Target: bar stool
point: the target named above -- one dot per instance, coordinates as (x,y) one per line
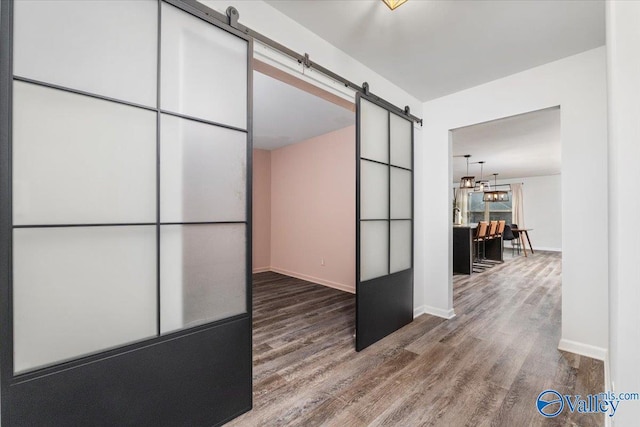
(493,230)
(480,237)
(496,230)
(492,234)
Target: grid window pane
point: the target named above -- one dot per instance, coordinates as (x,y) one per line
(374,190)
(374,249)
(400,246)
(80,160)
(401,142)
(400,194)
(81,290)
(374,132)
(204,172)
(204,70)
(82,45)
(202,274)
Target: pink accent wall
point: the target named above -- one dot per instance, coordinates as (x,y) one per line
(312,210)
(261,210)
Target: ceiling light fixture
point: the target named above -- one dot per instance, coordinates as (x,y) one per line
(392,4)
(467,181)
(482,184)
(495,195)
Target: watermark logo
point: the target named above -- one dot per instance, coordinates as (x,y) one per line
(550,403)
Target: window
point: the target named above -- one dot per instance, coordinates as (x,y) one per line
(481,211)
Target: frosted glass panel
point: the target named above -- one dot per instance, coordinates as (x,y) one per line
(400,245)
(203,172)
(374,249)
(400,194)
(204,70)
(202,273)
(80,290)
(374,190)
(374,132)
(79,160)
(400,141)
(103,47)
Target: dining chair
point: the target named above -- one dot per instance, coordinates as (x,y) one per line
(515,243)
(508,235)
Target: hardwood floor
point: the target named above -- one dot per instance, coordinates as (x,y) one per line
(485,367)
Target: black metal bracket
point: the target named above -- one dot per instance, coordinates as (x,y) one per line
(407,111)
(305,61)
(232,16)
(365,88)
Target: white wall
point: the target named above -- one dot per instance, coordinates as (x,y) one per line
(267,20)
(623,61)
(578,85)
(542,210)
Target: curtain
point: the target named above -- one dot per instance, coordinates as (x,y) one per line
(517,205)
(462,202)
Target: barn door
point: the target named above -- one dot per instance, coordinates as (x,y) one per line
(384,245)
(125,215)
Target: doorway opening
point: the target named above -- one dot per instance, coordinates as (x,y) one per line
(304,238)
(525,151)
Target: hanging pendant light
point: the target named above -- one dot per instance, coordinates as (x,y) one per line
(495,195)
(392,4)
(482,184)
(467,181)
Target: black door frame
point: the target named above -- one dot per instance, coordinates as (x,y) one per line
(383,304)
(196,376)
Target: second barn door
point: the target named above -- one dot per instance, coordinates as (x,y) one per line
(384,229)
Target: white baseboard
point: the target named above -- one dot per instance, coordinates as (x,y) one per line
(434,311)
(418,311)
(582,349)
(261,269)
(324,282)
(547,249)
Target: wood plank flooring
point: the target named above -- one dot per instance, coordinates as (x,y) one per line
(485,367)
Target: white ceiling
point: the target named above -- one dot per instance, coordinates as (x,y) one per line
(434,48)
(283,114)
(515,147)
